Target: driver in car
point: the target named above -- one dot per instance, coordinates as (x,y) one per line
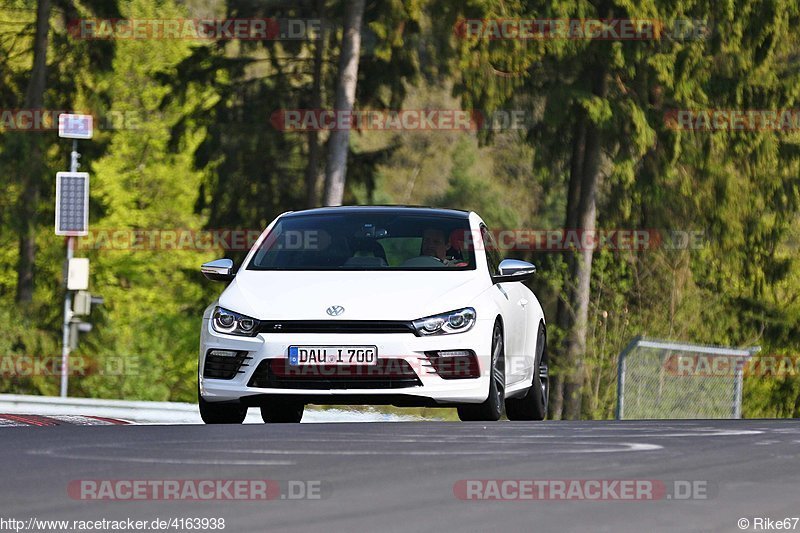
(435,244)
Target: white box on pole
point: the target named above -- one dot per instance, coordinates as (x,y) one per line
(78,274)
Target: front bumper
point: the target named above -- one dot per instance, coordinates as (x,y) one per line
(404,349)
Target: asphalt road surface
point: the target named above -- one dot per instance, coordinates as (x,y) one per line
(689,475)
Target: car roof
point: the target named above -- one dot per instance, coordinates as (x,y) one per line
(398,209)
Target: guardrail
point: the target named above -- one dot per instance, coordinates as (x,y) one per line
(163,412)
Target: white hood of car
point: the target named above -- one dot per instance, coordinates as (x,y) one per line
(398,295)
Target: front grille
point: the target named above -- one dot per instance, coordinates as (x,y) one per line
(225,367)
(386,374)
(335,326)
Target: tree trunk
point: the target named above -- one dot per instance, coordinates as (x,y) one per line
(32,167)
(564,313)
(312,169)
(582,267)
(339,141)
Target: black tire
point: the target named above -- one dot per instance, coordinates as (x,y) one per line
(492,409)
(533,406)
(282,412)
(221,412)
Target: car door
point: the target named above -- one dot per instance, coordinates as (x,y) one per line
(511,299)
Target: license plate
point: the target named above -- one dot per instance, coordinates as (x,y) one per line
(333,355)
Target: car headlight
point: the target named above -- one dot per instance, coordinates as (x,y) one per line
(225,321)
(457,321)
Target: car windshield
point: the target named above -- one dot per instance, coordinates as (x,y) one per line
(366,241)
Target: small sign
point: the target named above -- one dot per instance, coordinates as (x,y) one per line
(75,126)
(72,203)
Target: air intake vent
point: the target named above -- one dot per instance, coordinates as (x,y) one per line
(224,364)
(387,374)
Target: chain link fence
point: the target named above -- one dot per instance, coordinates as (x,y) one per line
(662,379)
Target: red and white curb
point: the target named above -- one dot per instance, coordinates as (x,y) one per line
(9,420)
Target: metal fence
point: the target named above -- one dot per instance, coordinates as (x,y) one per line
(663,379)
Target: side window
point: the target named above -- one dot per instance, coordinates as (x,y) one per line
(492,255)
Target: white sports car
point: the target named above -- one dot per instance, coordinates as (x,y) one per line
(407,306)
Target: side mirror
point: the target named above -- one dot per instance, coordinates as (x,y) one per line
(218,270)
(514,270)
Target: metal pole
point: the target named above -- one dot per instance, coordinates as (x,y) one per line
(74,156)
(621,387)
(65,340)
(65,332)
(621,369)
(737,394)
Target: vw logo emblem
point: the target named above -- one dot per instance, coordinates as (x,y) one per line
(335,310)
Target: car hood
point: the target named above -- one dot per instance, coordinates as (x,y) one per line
(399,295)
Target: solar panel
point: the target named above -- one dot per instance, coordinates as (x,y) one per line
(72,203)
